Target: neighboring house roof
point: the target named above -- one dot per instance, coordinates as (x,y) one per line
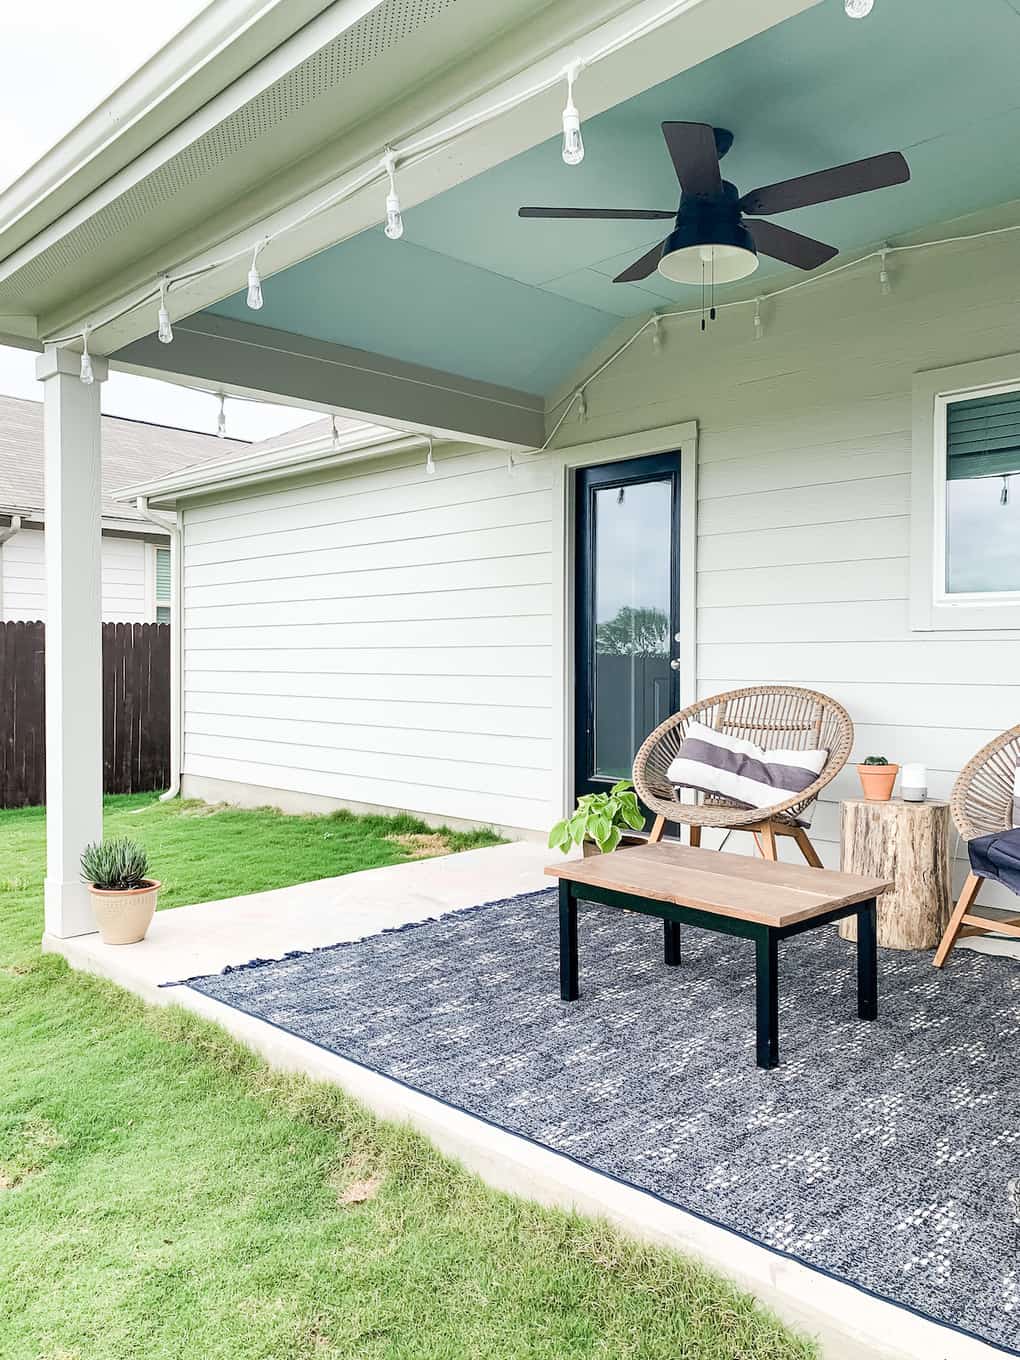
(133,451)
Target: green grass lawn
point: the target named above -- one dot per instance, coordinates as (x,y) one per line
(163,1194)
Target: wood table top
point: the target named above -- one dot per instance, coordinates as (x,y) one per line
(728,885)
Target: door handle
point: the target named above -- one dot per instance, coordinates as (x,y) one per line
(675,664)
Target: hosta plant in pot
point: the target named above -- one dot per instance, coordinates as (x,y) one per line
(123,895)
(877,778)
(600,822)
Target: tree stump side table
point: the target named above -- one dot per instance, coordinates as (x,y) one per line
(909,843)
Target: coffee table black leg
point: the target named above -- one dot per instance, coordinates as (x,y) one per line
(767,997)
(671,943)
(568,943)
(867,961)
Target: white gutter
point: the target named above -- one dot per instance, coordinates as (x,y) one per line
(172,524)
(308,456)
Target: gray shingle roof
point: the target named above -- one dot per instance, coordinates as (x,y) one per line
(133,452)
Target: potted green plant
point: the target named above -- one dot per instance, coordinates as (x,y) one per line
(877,778)
(598,822)
(123,895)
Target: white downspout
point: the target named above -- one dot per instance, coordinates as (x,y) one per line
(173,524)
(5,535)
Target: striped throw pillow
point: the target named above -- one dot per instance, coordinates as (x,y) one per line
(741,770)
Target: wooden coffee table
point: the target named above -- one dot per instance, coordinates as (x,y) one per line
(733,894)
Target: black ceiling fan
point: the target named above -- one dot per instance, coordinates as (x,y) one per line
(711,240)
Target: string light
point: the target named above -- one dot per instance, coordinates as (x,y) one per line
(656,332)
(858,9)
(394,227)
(166,331)
(85,373)
(510,464)
(884,281)
(573,143)
(335,432)
(221,419)
(254,298)
(1004,493)
(430,465)
(759,325)
(582,406)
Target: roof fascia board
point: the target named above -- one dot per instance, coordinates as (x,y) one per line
(278,366)
(510,65)
(341,15)
(310,456)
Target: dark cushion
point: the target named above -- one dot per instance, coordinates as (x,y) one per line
(997,856)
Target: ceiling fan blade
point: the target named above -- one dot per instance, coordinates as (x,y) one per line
(640,269)
(601,214)
(695,158)
(857,177)
(790,246)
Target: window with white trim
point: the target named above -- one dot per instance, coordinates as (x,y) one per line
(162,585)
(965,497)
(978,438)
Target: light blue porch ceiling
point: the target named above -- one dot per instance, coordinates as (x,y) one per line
(474,290)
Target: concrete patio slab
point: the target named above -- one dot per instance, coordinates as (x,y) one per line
(850,1324)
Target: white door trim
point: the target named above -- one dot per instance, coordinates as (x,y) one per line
(683,438)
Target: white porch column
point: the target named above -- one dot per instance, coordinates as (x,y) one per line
(74,656)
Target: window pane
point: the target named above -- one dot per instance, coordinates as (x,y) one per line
(162,573)
(982,535)
(633,547)
(163,613)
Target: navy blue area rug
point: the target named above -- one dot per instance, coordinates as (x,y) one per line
(879,1153)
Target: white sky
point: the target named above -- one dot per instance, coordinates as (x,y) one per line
(58,60)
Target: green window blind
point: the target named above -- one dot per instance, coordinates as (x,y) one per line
(983,437)
(163,575)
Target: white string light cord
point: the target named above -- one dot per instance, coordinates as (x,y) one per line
(407,155)
(579,398)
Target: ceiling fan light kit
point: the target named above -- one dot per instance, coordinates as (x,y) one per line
(708,242)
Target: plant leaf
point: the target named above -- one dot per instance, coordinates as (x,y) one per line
(611,841)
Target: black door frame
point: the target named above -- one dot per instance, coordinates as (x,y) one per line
(587,480)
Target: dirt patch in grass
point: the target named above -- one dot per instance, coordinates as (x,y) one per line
(421,845)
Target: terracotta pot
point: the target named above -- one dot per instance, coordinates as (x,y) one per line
(589,848)
(877,781)
(124,916)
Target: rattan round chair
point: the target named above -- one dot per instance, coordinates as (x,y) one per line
(982,805)
(771,715)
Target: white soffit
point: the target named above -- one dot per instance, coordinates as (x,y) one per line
(390,69)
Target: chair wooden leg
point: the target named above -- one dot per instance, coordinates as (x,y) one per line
(768,841)
(806,848)
(658,827)
(970,890)
(695,834)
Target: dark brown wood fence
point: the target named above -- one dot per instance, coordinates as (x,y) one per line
(136,710)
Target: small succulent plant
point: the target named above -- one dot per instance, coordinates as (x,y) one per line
(875,760)
(599,817)
(115,865)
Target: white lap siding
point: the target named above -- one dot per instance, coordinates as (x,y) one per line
(23,567)
(804,500)
(378,636)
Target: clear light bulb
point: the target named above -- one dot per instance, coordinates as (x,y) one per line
(573,143)
(656,333)
(430,465)
(394,228)
(254,298)
(858,9)
(166,331)
(85,373)
(884,281)
(221,420)
(582,407)
(759,325)
(336,433)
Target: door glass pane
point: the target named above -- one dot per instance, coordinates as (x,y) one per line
(631,585)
